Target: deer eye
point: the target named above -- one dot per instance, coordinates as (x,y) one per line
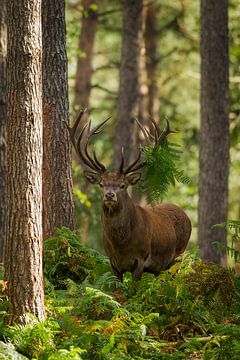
(122,186)
(101,185)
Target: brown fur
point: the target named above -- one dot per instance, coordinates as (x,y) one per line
(138,239)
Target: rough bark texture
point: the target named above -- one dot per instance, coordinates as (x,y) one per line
(3,54)
(214,140)
(84,64)
(127,105)
(151,39)
(23,256)
(84,75)
(58,207)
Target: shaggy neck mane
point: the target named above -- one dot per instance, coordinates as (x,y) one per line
(119,220)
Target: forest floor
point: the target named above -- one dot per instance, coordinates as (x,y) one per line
(191,311)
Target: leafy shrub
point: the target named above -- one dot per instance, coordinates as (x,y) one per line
(191,310)
(8,352)
(35,340)
(66,258)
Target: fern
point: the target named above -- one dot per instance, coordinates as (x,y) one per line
(161,170)
(233,227)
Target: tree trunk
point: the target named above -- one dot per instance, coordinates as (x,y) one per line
(3,54)
(143,76)
(151,39)
(58,207)
(127,105)
(214,138)
(84,64)
(23,255)
(84,75)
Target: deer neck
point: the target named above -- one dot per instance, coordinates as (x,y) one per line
(118,221)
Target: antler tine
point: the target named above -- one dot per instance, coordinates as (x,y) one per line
(72,130)
(164,134)
(96,164)
(82,154)
(157,131)
(97,129)
(158,138)
(148,136)
(101,166)
(135,165)
(121,167)
(83,140)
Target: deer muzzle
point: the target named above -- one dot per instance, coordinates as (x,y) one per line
(110,198)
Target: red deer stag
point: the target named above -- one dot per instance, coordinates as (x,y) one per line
(135,238)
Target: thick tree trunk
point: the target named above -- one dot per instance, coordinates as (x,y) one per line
(214,140)
(127,105)
(84,64)
(23,256)
(58,207)
(3,54)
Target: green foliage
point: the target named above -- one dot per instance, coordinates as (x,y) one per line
(35,340)
(161,170)
(193,308)
(74,353)
(66,258)
(233,228)
(8,352)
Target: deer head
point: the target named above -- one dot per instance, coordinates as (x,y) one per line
(114,184)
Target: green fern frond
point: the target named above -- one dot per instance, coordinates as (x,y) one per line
(161,170)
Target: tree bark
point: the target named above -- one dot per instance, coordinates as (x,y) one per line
(84,76)
(127,104)
(214,137)
(3,54)
(86,43)
(143,76)
(23,255)
(152,57)
(58,207)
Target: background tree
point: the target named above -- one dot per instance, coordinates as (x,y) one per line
(129,80)
(214,136)
(84,62)
(58,207)
(23,253)
(143,100)
(3,53)
(152,58)
(83,76)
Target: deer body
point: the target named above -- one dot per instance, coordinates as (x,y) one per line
(138,239)
(135,238)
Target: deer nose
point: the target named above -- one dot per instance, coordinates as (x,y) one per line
(109,195)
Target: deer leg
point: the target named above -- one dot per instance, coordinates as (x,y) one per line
(117,273)
(137,269)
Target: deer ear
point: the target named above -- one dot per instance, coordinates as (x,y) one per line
(92,177)
(133,178)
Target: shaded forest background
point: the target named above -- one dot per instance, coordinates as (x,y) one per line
(171,77)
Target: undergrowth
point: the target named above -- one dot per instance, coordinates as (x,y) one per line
(191,311)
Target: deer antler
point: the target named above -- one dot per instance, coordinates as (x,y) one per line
(157,139)
(81,143)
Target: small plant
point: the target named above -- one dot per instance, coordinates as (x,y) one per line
(34,339)
(233,228)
